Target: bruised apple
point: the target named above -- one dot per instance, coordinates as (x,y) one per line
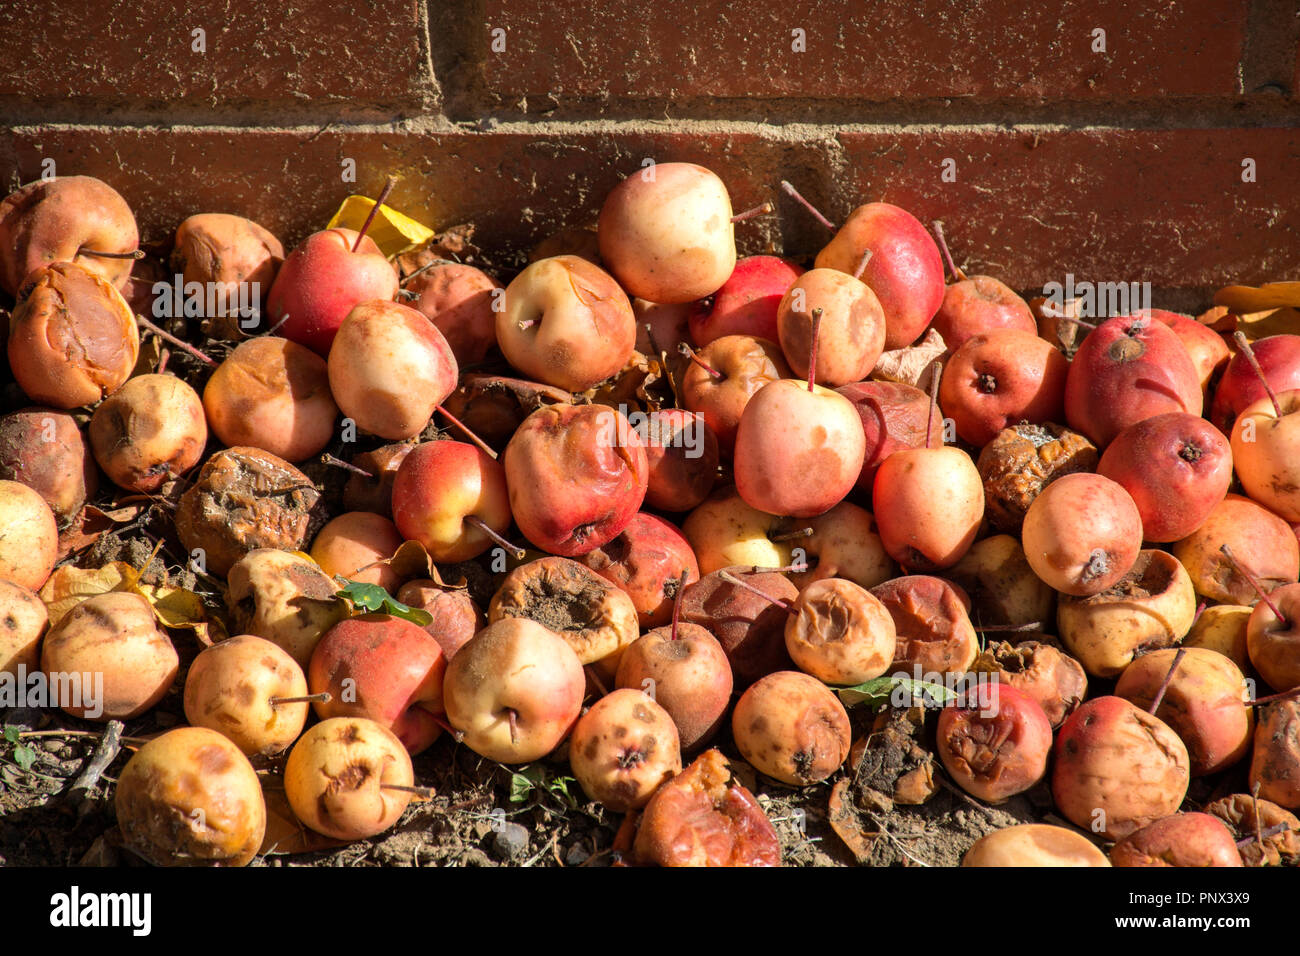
(666,233)
(1117,768)
(729,372)
(928,504)
(1127,369)
(191,798)
(792,727)
(1183,839)
(623,748)
(799,449)
(348,778)
(566,323)
(1082,534)
(1202,703)
(894,415)
(840,633)
(997,746)
(234,686)
(576,474)
(686,671)
(389,368)
(703,817)
(514,690)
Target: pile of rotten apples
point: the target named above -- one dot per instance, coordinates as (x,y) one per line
(688,445)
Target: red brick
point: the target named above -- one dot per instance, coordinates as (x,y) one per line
(138,54)
(565,50)
(1167,207)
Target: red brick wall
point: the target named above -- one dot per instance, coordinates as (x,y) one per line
(1116,165)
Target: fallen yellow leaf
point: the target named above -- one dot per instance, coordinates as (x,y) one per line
(393,232)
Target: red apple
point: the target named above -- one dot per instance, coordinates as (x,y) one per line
(322,280)
(439,486)
(798,452)
(978,305)
(382,668)
(1127,369)
(1000,378)
(905,270)
(1175,466)
(747,302)
(1279,358)
(576,474)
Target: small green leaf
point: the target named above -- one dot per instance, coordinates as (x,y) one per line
(374,598)
(523,782)
(560,785)
(879,691)
(24,757)
(13,734)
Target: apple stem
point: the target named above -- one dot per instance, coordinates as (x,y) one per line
(762,209)
(456,735)
(677,604)
(483,446)
(1243,346)
(133,254)
(425,268)
(1254,805)
(728,576)
(426,793)
(1052,313)
(168,337)
(595,679)
(862,264)
(374,211)
(329,459)
(957,274)
(324,697)
(1254,583)
(1200,609)
(816,213)
(527,324)
(1164,685)
(1271,698)
(791,535)
(275,328)
(812,349)
(514,724)
(162,361)
(935,369)
(483,526)
(1259,836)
(694,356)
(1031,626)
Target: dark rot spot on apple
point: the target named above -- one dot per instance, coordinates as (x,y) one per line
(352,777)
(10,622)
(1190,452)
(803,763)
(1071,747)
(986,383)
(1126,349)
(348,734)
(246,694)
(592,749)
(641,713)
